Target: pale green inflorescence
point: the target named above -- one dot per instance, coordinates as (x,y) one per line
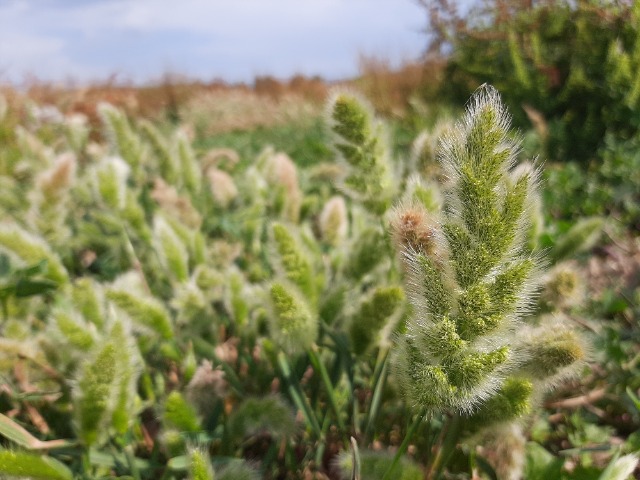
(199,466)
(293,262)
(95,394)
(472,284)
(123,138)
(361,144)
(294,326)
(31,249)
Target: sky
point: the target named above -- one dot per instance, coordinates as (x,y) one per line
(232,40)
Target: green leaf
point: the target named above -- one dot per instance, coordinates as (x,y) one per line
(35,467)
(17,434)
(101,459)
(634,398)
(35,269)
(541,465)
(178,464)
(5,264)
(26,287)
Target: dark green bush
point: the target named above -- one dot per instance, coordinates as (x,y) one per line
(570,68)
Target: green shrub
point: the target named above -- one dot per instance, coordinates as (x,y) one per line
(573,67)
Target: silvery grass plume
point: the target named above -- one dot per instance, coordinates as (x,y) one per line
(470,277)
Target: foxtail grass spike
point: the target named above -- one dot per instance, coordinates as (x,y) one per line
(360,141)
(146,311)
(171,249)
(31,250)
(124,140)
(372,315)
(293,326)
(469,278)
(95,394)
(333,221)
(179,414)
(200,466)
(129,367)
(293,263)
(190,172)
(166,164)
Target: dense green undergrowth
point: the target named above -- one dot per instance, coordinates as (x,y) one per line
(170,312)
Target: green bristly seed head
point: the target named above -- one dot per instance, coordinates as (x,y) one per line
(179,414)
(473,281)
(199,466)
(294,327)
(550,352)
(293,262)
(512,401)
(96,392)
(372,315)
(360,142)
(352,120)
(148,312)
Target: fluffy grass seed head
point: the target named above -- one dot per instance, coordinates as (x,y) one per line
(206,387)
(268,415)
(562,287)
(365,252)
(414,229)
(189,168)
(4,107)
(334,221)
(164,159)
(87,296)
(74,330)
(551,352)
(620,468)
(77,131)
(361,144)
(282,173)
(175,205)
(31,249)
(293,325)
(580,237)
(171,250)
(124,141)
(95,393)
(472,281)
(180,414)
(55,182)
(223,188)
(144,310)
(129,365)
(371,316)
(200,467)
(110,181)
(292,262)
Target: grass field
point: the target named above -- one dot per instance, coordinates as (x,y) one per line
(204,278)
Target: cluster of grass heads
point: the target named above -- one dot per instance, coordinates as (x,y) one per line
(167,314)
